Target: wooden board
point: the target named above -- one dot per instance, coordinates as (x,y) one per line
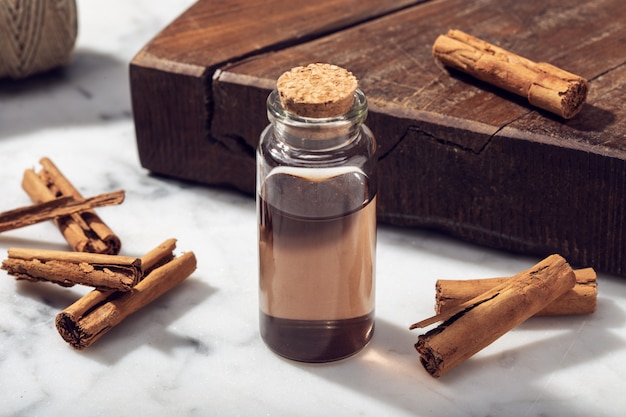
(171,77)
(455,154)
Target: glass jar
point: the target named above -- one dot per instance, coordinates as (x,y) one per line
(316,201)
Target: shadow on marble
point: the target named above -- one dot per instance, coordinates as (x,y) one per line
(55,297)
(151,325)
(148,326)
(93,89)
(607,315)
(542,353)
(500,381)
(592,331)
(8,241)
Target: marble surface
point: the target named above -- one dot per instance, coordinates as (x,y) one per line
(197,350)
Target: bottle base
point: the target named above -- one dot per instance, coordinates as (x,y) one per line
(316,341)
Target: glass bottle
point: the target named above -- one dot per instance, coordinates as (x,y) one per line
(316,200)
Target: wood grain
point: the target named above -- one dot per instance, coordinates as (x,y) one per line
(456,154)
(171,77)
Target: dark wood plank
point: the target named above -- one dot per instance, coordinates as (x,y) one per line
(392,58)
(457,155)
(214,32)
(171,77)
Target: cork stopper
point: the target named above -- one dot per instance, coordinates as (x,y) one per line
(317,90)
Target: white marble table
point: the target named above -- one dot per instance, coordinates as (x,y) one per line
(197,350)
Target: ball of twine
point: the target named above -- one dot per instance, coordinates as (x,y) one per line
(35,35)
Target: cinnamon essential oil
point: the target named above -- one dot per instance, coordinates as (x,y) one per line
(317,217)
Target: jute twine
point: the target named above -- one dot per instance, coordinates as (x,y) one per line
(35,35)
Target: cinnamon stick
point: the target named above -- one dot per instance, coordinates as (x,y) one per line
(544,85)
(581,299)
(85,231)
(96,313)
(49,210)
(70,268)
(158,256)
(473,325)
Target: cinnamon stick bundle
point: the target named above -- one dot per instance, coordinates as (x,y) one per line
(544,85)
(70,268)
(85,231)
(49,210)
(581,299)
(96,313)
(475,324)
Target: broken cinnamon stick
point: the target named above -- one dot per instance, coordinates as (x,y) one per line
(85,231)
(49,210)
(71,268)
(581,299)
(475,324)
(544,85)
(158,256)
(96,313)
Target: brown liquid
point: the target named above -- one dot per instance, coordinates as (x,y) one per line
(317,263)
(316,340)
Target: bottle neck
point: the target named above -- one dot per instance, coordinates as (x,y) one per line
(316,134)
